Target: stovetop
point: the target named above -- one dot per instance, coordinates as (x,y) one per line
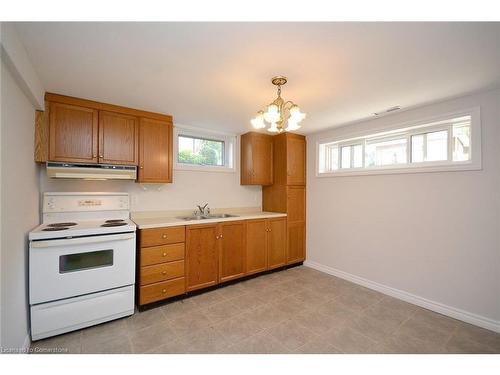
(81,228)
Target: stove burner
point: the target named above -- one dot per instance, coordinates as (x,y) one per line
(58,225)
(113,224)
(114,221)
(53,229)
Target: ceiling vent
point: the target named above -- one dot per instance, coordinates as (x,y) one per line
(388,110)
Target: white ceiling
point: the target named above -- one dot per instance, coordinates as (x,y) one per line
(217,75)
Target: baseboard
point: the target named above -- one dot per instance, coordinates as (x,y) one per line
(440,308)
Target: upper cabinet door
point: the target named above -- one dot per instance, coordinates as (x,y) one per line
(256,159)
(263,160)
(155,151)
(118,139)
(296,160)
(72,133)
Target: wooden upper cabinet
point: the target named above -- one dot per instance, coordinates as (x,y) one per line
(77,130)
(296,159)
(201,256)
(289,159)
(276,242)
(256,257)
(118,138)
(256,159)
(232,263)
(155,151)
(73,133)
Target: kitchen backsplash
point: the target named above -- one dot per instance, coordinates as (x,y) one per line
(218,189)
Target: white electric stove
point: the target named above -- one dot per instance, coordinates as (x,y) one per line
(81,262)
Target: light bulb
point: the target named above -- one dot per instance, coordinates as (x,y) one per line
(272,114)
(292,125)
(258,121)
(273,128)
(296,115)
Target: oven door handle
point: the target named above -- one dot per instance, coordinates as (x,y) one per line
(82,240)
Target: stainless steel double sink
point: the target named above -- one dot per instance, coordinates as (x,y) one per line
(206,217)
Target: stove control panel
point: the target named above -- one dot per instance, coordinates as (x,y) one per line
(84,202)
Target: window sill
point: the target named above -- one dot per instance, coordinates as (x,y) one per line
(406,170)
(200,168)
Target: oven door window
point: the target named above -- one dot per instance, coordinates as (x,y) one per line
(85,261)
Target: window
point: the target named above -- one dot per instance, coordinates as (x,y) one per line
(202,150)
(385,151)
(432,146)
(351,156)
(444,143)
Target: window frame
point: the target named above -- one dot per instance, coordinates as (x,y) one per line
(426,125)
(230,145)
(351,144)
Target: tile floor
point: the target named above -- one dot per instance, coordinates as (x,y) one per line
(298,310)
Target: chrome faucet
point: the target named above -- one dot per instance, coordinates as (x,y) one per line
(202,209)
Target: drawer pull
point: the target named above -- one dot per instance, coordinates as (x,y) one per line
(164,254)
(164,291)
(164,236)
(164,273)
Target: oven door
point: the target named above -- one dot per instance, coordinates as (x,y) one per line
(72,267)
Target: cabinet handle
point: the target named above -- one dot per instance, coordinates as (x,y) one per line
(141,167)
(164,273)
(216,237)
(94,156)
(101,156)
(221,236)
(164,236)
(164,254)
(164,291)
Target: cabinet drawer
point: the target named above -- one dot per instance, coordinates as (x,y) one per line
(162,236)
(161,254)
(162,272)
(159,291)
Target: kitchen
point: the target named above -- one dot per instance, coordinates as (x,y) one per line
(157,221)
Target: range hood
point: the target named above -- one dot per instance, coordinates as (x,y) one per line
(91,171)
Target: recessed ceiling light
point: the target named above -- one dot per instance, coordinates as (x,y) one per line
(388,110)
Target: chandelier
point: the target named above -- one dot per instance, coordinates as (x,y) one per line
(279,113)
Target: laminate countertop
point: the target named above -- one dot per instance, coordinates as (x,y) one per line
(143,220)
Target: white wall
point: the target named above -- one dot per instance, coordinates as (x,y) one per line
(16,59)
(19,207)
(432,235)
(220,190)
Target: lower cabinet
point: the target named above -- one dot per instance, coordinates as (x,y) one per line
(266,244)
(256,246)
(160,291)
(176,260)
(232,250)
(161,264)
(296,238)
(276,243)
(202,261)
